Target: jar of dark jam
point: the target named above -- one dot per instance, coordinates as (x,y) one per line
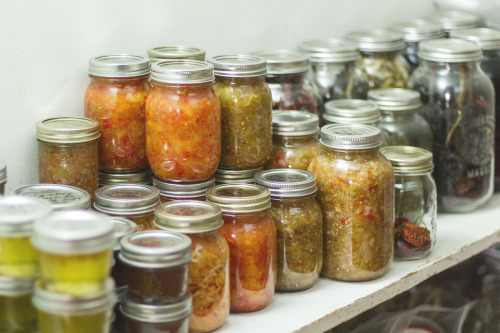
(17,312)
(3,178)
(170,191)
(240,176)
(122,227)
(141,178)
(61,197)
(453,20)
(162,53)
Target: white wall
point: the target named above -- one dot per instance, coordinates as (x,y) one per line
(45,46)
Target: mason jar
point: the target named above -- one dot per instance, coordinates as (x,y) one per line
(234,177)
(141,178)
(18,314)
(171,191)
(121,227)
(209,267)
(299,226)
(453,20)
(183,121)
(356,194)
(61,197)
(162,53)
(3,178)
(415,201)
(246,105)
(458,103)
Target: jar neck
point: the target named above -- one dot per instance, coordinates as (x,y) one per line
(352,154)
(333,65)
(379,54)
(450,66)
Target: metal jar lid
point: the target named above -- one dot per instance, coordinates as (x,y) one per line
(282,62)
(487,39)
(3,172)
(18,214)
(454,20)
(350,136)
(10,286)
(238,65)
(449,50)
(157,313)
(418,30)
(188,217)
(73,232)
(176,53)
(330,50)
(143,178)
(287,183)
(67,130)
(351,111)
(61,197)
(126,199)
(155,249)
(378,40)
(294,123)
(182,72)
(407,159)
(240,198)
(121,228)
(494,24)
(241,176)
(183,190)
(395,99)
(118,66)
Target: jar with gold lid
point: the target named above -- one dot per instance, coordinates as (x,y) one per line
(61,197)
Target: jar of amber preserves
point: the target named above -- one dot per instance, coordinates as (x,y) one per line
(131,201)
(299,226)
(141,178)
(246,106)
(61,197)
(209,267)
(163,53)
(122,227)
(170,191)
(241,176)
(67,152)
(250,232)
(18,314)
(3,178)
(183,121)
(356,194)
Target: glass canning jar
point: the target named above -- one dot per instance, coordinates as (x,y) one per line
(3,178)
(453,20)
(61,197)
(356,193)
(163,53)
(209,267)
(67,152)
(299,226)
(243,176)
(246,105)
(170,191)
(121,227)
(17,314)
(250,232)
(116,98)
(400,117)
(142,178)
(183,121)
(415,200)
(295,140)
(458,103)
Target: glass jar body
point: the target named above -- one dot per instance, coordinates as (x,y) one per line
(294,152)
(406,129)
(18,257)
(384,69)
(98,322)
(17,314)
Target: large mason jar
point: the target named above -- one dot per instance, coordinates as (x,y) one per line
(458,103)
(453,20)
(178,52)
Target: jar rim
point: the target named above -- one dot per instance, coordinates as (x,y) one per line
(377,40)
(350,136)
(118,66)
(282,61)
(67,130)
(294,123)
(188,216)
(408,159)
(238,65)
(450,50)
(287,183)
(126,199)
(330,50)
(240,198)
(182,71)
(486,38)
(157,313)
(116,178)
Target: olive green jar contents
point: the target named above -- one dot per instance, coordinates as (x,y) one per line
(299,226)
(61,197)
(171,191)
(163,53)
(141,178)
(17,314)
(121,227)
(241,176)
(3,178)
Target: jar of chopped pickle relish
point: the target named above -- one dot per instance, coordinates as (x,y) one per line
(453,20)
(250,232)
(163,53)
(3,178)
(61,197)
(356,194)
(183,121)
(18,313)
(209,267)
(295,140)
(240,176)
(299,226)
(121,227)
(171,191)
(141,178)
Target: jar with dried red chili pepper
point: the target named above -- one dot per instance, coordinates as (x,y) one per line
(171,191)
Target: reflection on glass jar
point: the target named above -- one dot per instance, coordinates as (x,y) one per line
(170,191)
(17,314)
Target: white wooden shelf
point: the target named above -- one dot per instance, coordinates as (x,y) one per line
(330,303)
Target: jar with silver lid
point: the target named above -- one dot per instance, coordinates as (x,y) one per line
(415,200)
(3,177)
(400,117)
(453,20)
(121,227)
(18,313)
(295,140)
(131,201)
(241,176)
(171,191)
(356,194)
(178,52)
(458,103)
(381,60)
(299,226)
(209,267)
(250,232)
(141,178)
(334,70)
(61,197)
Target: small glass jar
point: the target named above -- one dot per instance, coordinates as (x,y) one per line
(162,53)
(453,20)
(170,191)
(209,267)
(381,60)
(76,251)
(400,118)
(61,197)
(250,232)
(18,257)
(122,227)
(299,226)
(17,314)
(156,266)
(356,194)
(235,177)
(295,140)
(61,313)
(67,152)
(415,201)
(131,201)
(458,103)
(3,178)
(246,105)
(141,178)
(183,121)
(116,98)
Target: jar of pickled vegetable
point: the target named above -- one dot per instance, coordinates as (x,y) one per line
(209,267)
(17,313)
(132,201)
(251,235)
(295,140)
(170,191)
(241,176)
(400,117)
(76,249)
(18,258)
(163,53)
(356,194)
(122,227)
(381,61)
(183,121)
(299,226)
(458,102)
(246,106)
(453,20)
(142,178)
(156,266)
(61,197)
(67,152)
(415,201)
(3,178)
